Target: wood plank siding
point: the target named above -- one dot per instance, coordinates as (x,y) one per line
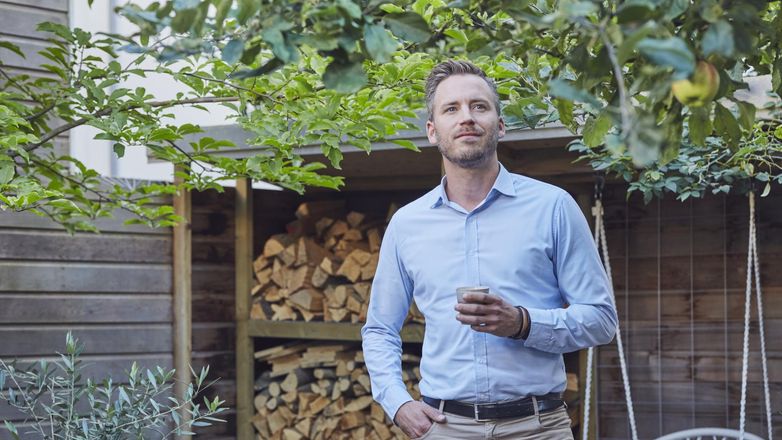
(679,275)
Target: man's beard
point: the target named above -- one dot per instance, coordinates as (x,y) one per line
(471,158)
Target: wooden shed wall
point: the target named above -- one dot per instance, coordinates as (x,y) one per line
(113,290)
(679,275)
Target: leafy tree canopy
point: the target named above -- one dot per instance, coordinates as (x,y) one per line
(296,73)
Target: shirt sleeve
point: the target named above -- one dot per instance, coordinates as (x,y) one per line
(590,318)
(392,293)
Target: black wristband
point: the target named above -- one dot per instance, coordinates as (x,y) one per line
(521,333)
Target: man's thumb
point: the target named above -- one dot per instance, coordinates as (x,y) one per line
(434,414)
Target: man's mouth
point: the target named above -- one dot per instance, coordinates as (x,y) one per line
(467,134)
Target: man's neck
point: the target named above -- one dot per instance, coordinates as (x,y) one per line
(468,187)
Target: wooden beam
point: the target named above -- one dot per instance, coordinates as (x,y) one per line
(332,331)
(183,296)
(245,371)
(584,200)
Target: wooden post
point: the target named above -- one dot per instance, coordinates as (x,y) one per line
(584,200)
(183,297)
(244,345)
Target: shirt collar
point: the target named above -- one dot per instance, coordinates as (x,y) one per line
(503,185)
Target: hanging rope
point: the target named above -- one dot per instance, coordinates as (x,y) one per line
(753,267)
(602,243)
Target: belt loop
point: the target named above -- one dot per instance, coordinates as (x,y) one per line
(535,405)
(442,405)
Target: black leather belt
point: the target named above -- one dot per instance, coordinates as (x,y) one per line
(504,410)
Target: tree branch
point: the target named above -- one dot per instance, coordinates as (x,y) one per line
(106,111)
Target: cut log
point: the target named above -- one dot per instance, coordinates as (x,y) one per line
(288,255)
(359,404)
(321,226)
(278,273)
(261,263)
(351,420)
(261,310)
(298,278)
(309,252)
(296,378)
(276,244)
(354,262)
(275,294)
(283,312)
(320,208)
(292,434)
(354,302)
(369,269)
(355,218)
(337,296)
(338,314)
(373,237)
(308,299)
(336,230)
(319,277)
(353,235)
(329,265)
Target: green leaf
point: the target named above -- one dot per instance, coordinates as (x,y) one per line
(232,51)
(699,125)
(6,171)
(766,190)
(635,10)
(277,39)
(628,46)
(718,39)
(670,52)
(345,78)
(565,89)
(247,8)
(406,143)
(746,114)
(595,129)
(12,47)
(184,20)
(351,8)
(726,125)
(269,66)
(458,35)
(408,26)
(379,43)
(391,8)
(223,7)
(119,149)
(565,110)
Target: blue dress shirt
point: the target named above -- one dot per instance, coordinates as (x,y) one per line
(529,242)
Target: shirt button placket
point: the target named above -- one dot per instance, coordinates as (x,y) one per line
(479,339)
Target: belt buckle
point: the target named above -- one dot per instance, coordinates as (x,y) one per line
(477,418)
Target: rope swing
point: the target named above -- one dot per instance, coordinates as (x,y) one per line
(753,268)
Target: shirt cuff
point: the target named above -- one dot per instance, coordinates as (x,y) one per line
(395,398)
(541,332)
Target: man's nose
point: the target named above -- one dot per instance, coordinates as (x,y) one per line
(465,115)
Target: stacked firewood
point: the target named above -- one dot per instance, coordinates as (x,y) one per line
(321,391)
(321,269)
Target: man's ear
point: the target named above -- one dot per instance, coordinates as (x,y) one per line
(431,133)
(501,132)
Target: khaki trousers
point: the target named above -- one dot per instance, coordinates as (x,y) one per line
(552,425)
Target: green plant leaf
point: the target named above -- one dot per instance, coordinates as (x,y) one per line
(746,115)
(6,171)
(12,47)
(725,124)
(379,43)
(408,26)
(232,51)
(671,52)
(595,130)
(699,125)
(345,78)
(718,39)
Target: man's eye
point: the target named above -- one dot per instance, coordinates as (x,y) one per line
(450,109)
(480,106)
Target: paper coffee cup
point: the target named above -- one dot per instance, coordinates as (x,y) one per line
(460,291)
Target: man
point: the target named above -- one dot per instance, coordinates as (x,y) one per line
(492,365)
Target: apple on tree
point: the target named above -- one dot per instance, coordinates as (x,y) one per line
(699,89)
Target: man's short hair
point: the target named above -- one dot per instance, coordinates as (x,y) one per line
(453,67)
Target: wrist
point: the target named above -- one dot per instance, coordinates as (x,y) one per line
(523,330)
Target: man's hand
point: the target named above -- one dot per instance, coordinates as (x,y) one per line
(415,418)
(489,314)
